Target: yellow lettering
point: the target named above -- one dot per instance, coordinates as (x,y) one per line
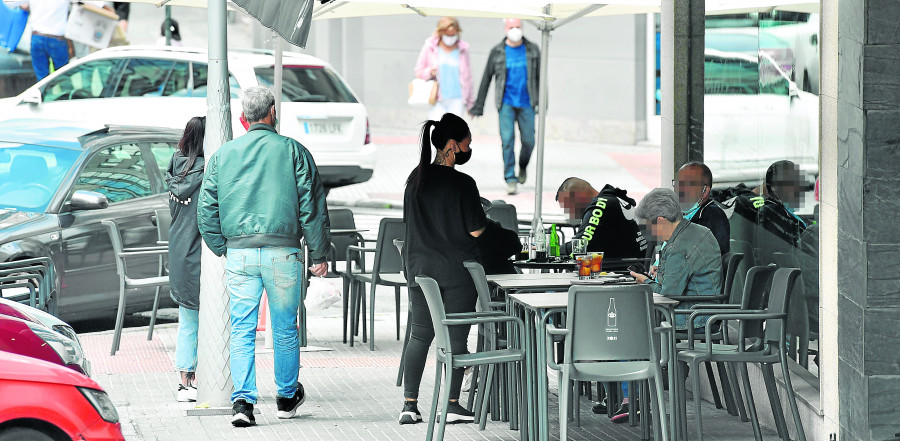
(601,203)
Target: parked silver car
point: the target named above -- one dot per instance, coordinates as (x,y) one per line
(58,180)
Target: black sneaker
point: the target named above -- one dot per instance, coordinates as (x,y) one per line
(242,412)
(523,175)
(622,417)
(599,408)
(410,413)
(458,414)
(287,407)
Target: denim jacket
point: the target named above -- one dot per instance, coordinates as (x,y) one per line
(689,265)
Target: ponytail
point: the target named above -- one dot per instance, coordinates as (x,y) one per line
(449,127)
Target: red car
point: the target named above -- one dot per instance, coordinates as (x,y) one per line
(52,403)
(28,331)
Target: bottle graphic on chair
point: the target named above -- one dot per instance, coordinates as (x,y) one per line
(611,314)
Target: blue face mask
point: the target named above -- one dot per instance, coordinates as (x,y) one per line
(689,214)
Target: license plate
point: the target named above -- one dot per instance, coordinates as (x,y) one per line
(323,128)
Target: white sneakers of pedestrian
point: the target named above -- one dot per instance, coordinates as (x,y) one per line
(511,187)
(186,393)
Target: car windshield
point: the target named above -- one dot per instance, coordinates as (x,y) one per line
(30,174)
(307,84)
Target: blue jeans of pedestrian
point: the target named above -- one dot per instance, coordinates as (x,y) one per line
(186,344)
(509,116)
(247,272)
(44,49)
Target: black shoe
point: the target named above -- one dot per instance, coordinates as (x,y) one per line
(242,414)
(523,175)
(458,414)
(287,407)
(410,413)
(621,415)
(599,408)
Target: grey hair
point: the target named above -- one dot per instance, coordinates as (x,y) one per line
(660,202)
(256,102)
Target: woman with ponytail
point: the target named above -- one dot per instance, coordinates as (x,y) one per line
(443,214)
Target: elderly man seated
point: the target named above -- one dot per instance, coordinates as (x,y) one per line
(690,263)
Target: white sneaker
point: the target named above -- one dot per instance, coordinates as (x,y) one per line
(186,393)
(511,187)
(467,380)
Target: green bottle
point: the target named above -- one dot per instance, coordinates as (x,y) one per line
(554,242)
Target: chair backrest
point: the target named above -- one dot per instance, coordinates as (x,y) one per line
(755,295)
(624,314)
(505,214)
(387,257)
(782,285)
(730,263)
(481,285)
(436,309)
(163,223)
(116,239)
(398,243)
(342,219)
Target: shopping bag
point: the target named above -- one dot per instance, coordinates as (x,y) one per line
(321,294)
(12,25)
(422,92)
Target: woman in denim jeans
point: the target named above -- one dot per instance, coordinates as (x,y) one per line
(184,176)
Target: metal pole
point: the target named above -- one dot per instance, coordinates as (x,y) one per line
(279,73)
(168,25)
(542,118)
(215,320)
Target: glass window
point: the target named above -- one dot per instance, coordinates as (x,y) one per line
(307,84)
(117,172)
(162,153)
(88,80)
(30,174)
(144,77)
(177,81)
(201,77)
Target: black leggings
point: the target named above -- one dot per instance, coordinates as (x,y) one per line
(456,299)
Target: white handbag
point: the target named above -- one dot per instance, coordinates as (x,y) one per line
(422,92)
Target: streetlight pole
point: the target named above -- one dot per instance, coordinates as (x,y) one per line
(215,319)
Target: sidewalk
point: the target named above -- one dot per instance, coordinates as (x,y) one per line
(634,168)
(352,393)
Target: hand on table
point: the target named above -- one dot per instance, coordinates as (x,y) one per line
(652,271)
(320,269)
(640,278)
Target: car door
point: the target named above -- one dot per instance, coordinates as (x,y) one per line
(90,282)
(80,90)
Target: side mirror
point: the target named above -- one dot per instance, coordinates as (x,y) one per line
(88,200)
(32,96)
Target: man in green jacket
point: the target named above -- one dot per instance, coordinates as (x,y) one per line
(261,194)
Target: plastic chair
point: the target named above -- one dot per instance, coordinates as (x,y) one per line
(342,218)
(446,361)
(399,244)
(125,282)
(163,222)
(38,272)
(627,332)
(798,324)
(386,271)
(770,348)
(505,214)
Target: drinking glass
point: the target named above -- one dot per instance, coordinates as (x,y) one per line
(579,247)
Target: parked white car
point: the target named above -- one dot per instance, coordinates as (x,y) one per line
(754,115)
(166,86)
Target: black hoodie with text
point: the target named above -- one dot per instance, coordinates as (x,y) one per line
(184,236)
(606,227)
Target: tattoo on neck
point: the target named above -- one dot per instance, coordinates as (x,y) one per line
(441,158)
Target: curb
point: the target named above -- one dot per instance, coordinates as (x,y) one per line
(368,203)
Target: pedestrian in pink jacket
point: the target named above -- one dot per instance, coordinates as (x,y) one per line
(445,58)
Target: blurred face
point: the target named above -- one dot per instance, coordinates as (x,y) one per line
(574,202)
(690,187)
(512,23)
(789,188)
(449,30)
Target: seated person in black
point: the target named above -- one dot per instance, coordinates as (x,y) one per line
(496,245)
(694,187)
(604,223)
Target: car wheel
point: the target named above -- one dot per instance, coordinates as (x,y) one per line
(24,434)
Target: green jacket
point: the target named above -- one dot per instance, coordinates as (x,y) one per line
(263,190)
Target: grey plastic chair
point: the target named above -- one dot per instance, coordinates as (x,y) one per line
(446,361)
(39,274)
(163,222)
(798,325)
(125,282)
(386,271)
(626,332)
(505,214)
(399,244)
(770,348)
(342,218)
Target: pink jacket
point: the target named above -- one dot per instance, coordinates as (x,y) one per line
(428,59)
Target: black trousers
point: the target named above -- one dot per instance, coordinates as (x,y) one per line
(456,299)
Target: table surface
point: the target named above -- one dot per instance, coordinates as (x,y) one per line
(531,276)
(552,300)
(347,231)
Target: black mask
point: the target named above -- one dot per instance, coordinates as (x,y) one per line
(463,157)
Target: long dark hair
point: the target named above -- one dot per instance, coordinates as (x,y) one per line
(449,127)
(191,143)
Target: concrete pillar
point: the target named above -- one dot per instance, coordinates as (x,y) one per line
(682,44)
(860,110)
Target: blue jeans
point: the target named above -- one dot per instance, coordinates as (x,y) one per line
(44,49)
(186,345)
(510,115)
(247,272)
